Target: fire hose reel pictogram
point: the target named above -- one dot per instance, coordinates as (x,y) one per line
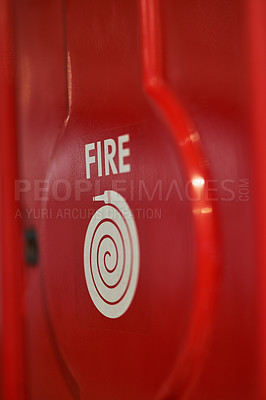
(111,255)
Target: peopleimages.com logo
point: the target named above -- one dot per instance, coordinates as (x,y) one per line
(62,190)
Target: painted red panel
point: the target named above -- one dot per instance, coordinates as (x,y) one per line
(176,90)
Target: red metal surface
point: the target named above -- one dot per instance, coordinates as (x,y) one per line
(206,226)
(176,77)
(12,311)
(256,11)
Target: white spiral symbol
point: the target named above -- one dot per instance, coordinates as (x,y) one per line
(111,255)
